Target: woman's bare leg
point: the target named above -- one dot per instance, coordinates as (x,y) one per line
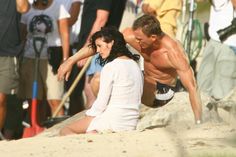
(95,81)
(90,97)
(78,127)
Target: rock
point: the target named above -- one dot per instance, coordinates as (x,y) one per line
(227,104)
(177,110)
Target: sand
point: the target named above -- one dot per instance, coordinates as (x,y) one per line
(163,132)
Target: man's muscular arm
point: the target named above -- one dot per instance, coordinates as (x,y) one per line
(64,35)
(74,12)
(179,61)
(130,38)
(101,19)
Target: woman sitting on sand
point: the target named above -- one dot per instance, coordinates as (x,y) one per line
(121,85)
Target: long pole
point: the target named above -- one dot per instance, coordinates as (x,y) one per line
(190,28)
(65,97)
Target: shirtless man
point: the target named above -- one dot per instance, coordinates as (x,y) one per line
(164,60)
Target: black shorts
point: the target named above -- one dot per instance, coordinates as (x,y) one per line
(163,95)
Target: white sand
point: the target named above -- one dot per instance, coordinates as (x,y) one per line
(171,133)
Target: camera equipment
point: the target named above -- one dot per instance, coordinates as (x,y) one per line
(228,31)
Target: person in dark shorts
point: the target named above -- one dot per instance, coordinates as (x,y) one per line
(163,95)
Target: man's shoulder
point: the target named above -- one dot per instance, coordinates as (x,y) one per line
(127,31)
(169,40)
(170,43)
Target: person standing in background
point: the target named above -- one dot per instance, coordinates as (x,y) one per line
(53,17)
(97,14)
(10,48)
(217,73)
(75,8)
(166,11)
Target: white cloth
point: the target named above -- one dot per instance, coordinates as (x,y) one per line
(75,29)
(117,105)
(55,11)
(221,15)
(217,72)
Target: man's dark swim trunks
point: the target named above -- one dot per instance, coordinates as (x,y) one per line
(163,95)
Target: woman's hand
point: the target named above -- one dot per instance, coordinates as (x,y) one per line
(64,70)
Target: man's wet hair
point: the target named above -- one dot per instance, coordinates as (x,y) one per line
(149,25)
(119,48)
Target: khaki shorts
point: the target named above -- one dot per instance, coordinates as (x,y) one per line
(48,85)
(9,76)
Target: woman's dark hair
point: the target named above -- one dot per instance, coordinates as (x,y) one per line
(109,34)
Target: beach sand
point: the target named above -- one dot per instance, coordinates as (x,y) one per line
(168,131)
(162,132)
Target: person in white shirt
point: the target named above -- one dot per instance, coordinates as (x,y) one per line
(117,105)
(52,16)
(75,8)
(217,72)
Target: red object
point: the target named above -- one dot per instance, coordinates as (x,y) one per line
(35,128)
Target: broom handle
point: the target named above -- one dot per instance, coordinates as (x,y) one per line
(68,93)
